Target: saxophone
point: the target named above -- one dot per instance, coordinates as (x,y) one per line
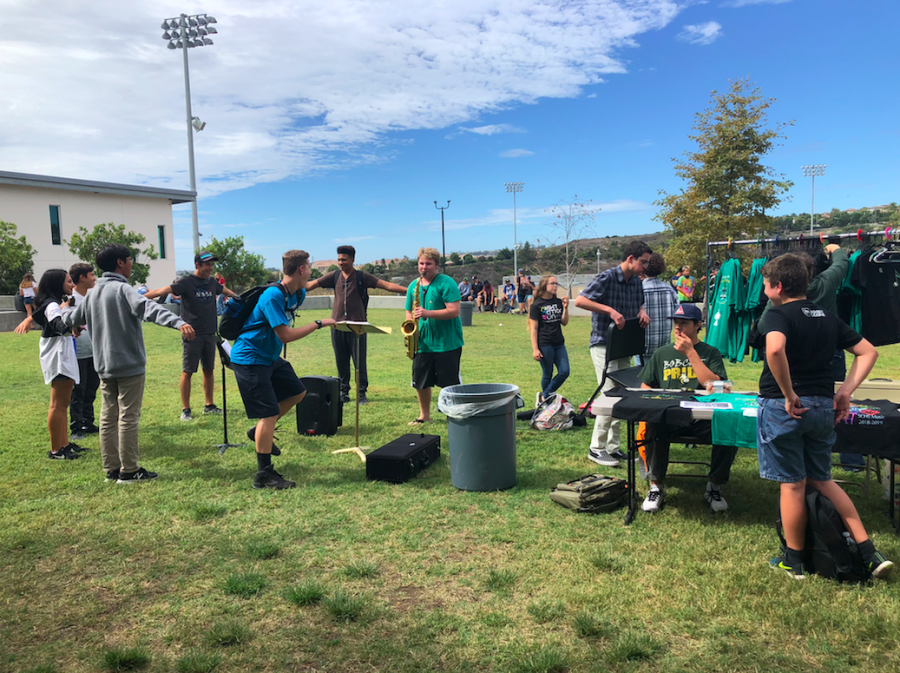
(410,328)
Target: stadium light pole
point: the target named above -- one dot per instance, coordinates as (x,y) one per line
(811,172)
(184,32)
(443,246)
(514,188)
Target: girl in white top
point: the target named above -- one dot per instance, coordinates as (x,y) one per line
(58,360)
(26,289)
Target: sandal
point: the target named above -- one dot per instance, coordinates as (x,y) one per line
(418,421)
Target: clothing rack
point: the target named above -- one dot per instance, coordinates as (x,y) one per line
(777,240)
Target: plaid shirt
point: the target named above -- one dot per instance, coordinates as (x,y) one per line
(660,302)
(611,289)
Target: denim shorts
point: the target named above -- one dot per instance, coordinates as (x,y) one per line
(791,450)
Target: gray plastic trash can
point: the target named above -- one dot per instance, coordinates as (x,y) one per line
(465,313)
(482,445)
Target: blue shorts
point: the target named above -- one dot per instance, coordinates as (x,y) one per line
(791,450)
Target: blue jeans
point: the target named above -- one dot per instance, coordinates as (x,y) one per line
(791,450)
(553,355)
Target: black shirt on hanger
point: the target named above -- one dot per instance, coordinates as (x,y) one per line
(880,284)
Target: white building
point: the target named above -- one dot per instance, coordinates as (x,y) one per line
(48,210)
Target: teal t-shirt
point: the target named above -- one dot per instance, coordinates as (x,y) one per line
(721,306)
(730,427)
(437,336)
(668,368)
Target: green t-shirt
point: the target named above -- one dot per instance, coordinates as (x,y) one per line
(669,368)
(730,427)
(437,336)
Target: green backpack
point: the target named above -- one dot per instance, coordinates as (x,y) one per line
(592,493)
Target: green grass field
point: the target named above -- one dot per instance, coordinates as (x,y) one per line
(196,571)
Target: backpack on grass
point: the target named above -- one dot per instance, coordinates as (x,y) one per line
(554,413)
(829,551)
(591,494)
(240,308)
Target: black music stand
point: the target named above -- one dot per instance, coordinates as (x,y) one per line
(225,357)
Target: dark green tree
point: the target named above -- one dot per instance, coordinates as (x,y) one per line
(240,268)
(86,243)
(728,188)
(16,257)
(468,259)
(454,257)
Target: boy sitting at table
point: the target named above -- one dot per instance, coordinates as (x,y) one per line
(798,408)
(688,364)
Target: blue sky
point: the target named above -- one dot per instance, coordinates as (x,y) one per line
(344,123)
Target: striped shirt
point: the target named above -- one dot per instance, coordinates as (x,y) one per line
(660,302)
(611,289)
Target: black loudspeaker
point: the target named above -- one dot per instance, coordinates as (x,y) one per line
(401,460)
(321,411)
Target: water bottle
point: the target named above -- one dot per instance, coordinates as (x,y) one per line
(851,543)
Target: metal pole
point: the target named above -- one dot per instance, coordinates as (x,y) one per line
(598,261)
(812,207)
(190,130)
(515,240)
(443,245)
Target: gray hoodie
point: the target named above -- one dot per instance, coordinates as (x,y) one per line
(113,312)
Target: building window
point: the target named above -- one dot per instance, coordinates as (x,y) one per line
(162,241)
(55,233)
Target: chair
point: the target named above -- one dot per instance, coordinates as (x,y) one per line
(622,343)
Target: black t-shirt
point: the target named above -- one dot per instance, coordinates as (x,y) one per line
(348,304)
(880,283)
(813,335)
(198,301)
(477,287)
(548,314)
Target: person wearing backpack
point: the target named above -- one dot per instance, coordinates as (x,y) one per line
(798,409)
(267,383)
(351,301)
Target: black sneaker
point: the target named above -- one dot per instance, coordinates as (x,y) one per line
(76,448)
(77,434)
(90,429)
(363,399)
(186,415)
(212,409)
(134,477)
(794,572)
(269,478)
(112,475)
(345,398)
(880,567)
(251,435)
(65,453)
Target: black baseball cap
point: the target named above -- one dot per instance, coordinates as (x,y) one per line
(205,256)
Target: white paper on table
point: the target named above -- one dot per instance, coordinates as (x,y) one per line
(752,412)
(706,405)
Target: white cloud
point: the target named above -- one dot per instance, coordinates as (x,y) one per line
(291,87)
(528,216)
(702,34)
(493,129)
(515,154)
(744,3)
(591,95)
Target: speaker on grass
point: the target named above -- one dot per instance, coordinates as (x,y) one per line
(321,411)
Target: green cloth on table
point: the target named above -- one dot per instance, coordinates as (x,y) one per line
(730,427)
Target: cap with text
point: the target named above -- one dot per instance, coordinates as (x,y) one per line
(688,312)
(205,256)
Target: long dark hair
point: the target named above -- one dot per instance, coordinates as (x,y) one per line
(51,287)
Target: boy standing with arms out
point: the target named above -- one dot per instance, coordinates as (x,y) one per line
(81,408)
(113,312)
(798,408)
(268,384)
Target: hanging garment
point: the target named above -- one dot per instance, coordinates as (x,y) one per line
(880,285)
(850,297)
(756,298)
(728,318)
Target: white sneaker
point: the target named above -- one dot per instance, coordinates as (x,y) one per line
(602,458)
(654,500)
(715,499)
(538,399)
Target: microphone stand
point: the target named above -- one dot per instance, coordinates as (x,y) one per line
(226,362)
